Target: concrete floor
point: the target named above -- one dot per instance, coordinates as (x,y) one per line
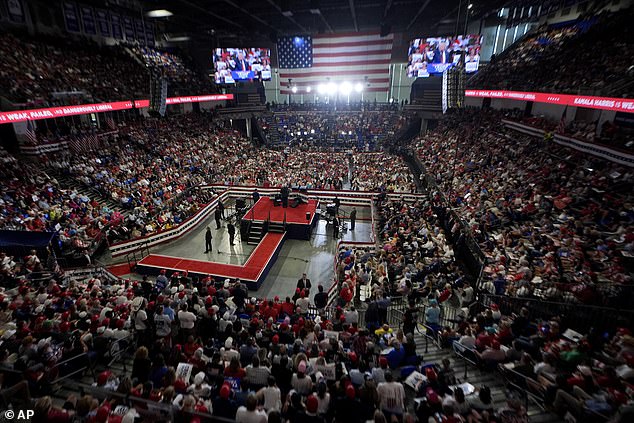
(314,257)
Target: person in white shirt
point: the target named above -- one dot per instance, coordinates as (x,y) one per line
(467,341)
(140,323)
(391,396)
(250,413)
(303,303)
(272,395)
(187,321)
(162,323)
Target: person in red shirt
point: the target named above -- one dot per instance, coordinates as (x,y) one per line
(485,338)
(345,294)
(234,370)
(288,307)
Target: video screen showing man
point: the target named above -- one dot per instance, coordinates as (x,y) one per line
(436,55)
(241,64)
(442,54)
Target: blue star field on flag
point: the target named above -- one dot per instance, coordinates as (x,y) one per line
(295,52)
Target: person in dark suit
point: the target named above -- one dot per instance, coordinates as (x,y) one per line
(321,298)
(335,227)
(241,63)
(218,216)
(208,239)
(304,282)
(441,54)
(353,218)
(256,196)
(232,232)
(221,206)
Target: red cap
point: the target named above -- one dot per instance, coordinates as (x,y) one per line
(276,339)
(352,356)
(181,295)
(312,403)
(494,307)
(102,414)
(103,377)
(383,361)
(225,391)
(350,392)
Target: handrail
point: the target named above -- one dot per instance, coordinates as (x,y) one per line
(80,370)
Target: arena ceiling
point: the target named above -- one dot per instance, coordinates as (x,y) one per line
(247,19)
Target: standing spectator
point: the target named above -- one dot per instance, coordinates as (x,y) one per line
(250,413)
(187,321)
(391,396)
(321,298)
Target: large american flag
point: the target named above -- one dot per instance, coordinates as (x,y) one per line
(325,58)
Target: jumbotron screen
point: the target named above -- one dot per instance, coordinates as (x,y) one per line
(428,56)
(241,64)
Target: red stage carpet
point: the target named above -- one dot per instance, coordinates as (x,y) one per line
(252,271)
(295,215)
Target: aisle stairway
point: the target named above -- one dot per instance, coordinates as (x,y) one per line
(477,377)
(69,182)
(273,135)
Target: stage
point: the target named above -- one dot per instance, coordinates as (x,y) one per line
(300,220)
(252,273)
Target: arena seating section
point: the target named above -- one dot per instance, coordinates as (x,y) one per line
(590,56)
(56,71)
(510,273)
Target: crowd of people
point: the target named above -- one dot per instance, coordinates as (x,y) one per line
(31,200)
(363,131)
(552,222)
(149,172)
(182,77)
(563,59)
(54,71)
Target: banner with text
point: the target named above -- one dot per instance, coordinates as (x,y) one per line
(590,102)
(56,112)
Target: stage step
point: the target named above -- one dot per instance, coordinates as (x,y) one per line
(256,233)
(276,227)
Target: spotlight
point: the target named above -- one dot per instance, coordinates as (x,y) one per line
(159,13)
(331,88)
(321,88)
(308,89)
(358,87)
(345,88)
(294,89)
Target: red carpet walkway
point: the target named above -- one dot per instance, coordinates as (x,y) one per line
(253,270)
(295,215)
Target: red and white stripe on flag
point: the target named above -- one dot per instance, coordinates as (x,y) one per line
(347,57)
(30,132)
